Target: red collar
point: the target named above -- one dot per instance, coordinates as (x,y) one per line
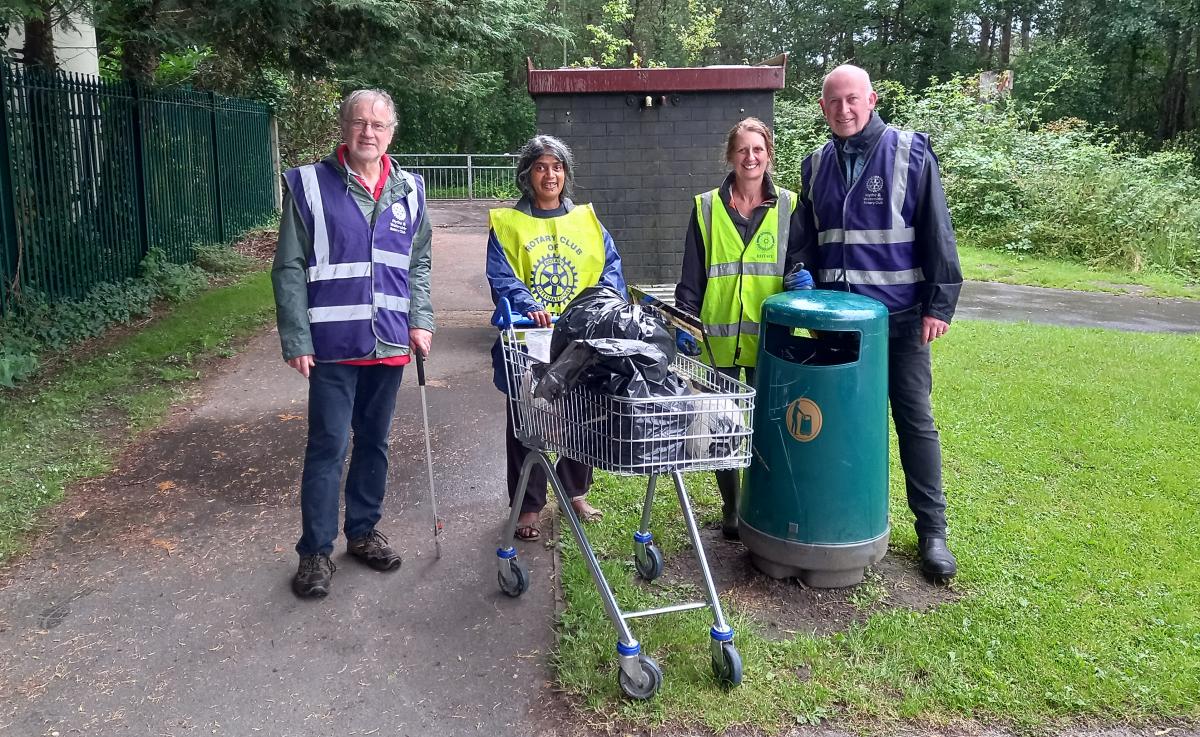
(385,168)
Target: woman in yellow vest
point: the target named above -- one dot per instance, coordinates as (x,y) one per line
(736,255)
(541,253)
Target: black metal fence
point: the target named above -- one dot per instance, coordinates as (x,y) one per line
(93,174)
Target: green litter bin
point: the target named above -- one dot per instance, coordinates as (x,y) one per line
(815,502)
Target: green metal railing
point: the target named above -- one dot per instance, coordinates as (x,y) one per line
(94,173)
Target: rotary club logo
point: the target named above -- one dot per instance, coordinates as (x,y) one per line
(554,280)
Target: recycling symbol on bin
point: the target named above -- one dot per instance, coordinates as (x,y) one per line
(554,280)
(804,419)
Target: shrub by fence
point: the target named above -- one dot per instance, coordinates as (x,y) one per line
(94,174)
(1015,183)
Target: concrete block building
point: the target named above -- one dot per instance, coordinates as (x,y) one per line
(646,141)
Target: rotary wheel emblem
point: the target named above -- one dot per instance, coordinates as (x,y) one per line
(554,280)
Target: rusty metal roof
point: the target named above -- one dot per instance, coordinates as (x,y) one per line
(573,81)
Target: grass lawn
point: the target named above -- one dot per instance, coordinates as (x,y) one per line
(71,427)
(1072,463)
(1010,268)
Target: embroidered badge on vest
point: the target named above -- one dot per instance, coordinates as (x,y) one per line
(765,242)
(399,222)
(874,190)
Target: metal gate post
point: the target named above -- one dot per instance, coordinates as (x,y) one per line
(216,152)
(8,203)
(470,179)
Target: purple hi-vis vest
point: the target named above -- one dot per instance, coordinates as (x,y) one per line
(358,289)
(865,232)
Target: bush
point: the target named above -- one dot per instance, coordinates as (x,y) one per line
(35,325)
(1060,189)
(173,282)
(221,259)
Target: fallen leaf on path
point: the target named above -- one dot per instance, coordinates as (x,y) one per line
(166,485)
(288,418)
(166,545)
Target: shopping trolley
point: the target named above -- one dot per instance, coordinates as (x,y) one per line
(706,430)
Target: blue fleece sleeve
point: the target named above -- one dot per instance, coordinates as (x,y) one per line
(612,276)
(505,284)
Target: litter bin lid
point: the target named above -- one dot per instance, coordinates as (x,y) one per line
(823,309)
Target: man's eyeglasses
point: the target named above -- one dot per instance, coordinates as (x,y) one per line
(359,124)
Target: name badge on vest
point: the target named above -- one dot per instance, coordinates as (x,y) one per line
(399,222)
(873,194)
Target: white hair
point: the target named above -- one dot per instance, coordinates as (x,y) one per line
(358,96)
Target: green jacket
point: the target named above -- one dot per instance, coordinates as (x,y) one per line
(295,246)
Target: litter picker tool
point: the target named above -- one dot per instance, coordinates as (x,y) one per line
(437,521)
(681,319)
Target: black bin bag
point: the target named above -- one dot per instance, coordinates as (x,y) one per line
(591,349)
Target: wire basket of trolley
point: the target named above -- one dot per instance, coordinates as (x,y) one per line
(705,427)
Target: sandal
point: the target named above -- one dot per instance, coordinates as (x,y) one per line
(528,533)
(586,512)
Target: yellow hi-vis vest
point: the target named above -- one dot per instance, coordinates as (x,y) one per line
(557,257)
(740,276)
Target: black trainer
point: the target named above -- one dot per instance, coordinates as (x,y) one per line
(937,562)
(313,576)
(373,549)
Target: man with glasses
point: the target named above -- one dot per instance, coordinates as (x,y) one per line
(351,279)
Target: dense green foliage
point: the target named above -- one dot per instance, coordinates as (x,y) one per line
(1075,527)
(38,326)
(1063,190)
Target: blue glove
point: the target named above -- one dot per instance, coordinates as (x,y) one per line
(686,344)
(799,279)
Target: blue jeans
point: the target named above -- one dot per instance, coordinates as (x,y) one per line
(342,399)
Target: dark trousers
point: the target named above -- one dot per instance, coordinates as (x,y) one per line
(344,399)
(910,383)
(576,477)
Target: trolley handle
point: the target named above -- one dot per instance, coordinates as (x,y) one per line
(508,319)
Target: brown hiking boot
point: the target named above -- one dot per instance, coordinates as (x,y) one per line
(373,549)
(313,577)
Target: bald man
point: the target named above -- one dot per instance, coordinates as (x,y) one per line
(873,221)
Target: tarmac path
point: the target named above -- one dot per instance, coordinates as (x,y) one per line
(157,600)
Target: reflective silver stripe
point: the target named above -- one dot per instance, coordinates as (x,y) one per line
(339,271)
(391,258)
(706,206)
(761,268)
(900,176)
(731,329)
(812,174)
(872,278)
(867,237)
(340,314)
(388,302)
(312,194)
(784,204)
(729,268)
(411,198)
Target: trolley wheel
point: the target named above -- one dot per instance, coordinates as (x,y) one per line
(652,566)
(647,690)
(728,669)
(517,582)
